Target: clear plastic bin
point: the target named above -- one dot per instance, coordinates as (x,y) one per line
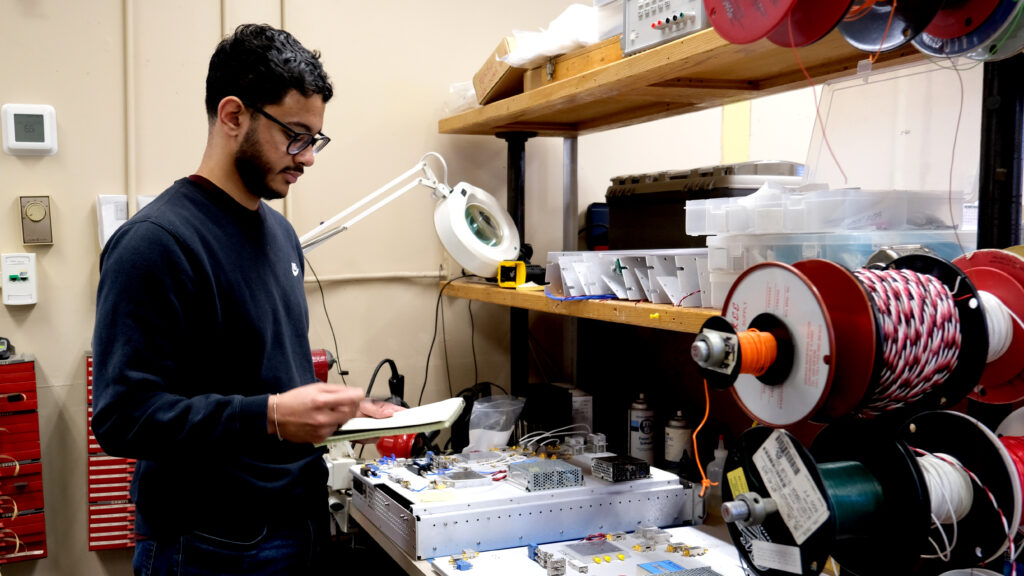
(729,255)
(787,211)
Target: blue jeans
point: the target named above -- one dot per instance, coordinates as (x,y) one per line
(297,549)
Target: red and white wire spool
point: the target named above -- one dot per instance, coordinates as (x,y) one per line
(1001,274)
(868,343)
(920,334)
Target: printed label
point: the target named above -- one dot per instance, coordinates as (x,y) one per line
(776,556)
(737,482)
(802,507)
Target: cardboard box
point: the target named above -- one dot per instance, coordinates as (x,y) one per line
(496,79)
(573,64)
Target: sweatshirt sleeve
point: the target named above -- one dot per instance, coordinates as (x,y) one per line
(140,408)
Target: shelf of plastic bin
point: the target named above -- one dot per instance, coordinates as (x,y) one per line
(779,210)
(661,316)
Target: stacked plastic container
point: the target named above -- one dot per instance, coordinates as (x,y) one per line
(899,176)
(844,226)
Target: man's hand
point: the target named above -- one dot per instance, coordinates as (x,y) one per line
(311,413)
(370,408)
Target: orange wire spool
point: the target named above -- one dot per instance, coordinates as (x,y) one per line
(771,347)
(759,350)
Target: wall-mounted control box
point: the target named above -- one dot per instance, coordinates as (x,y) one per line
(35,220)
(19,279)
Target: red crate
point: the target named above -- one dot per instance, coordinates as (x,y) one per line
(22,537)
(19,423)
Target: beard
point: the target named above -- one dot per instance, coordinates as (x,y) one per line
(253,168)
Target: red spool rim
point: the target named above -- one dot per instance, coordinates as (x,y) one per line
(853,319)
(1001,273)
(829,333)
(960,17)
(746,21)
(809,21)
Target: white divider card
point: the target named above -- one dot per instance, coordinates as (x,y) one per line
(768,555)
(801,505)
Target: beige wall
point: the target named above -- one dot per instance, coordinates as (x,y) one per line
(126,78)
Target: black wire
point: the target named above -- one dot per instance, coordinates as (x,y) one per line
(472,342)
(472,388)
(426,369)
(444,340)
(373,378)
(323,300)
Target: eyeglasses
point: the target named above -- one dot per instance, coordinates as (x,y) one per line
(299,140)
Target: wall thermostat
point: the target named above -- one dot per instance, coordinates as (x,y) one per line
(29,129)
(35,220)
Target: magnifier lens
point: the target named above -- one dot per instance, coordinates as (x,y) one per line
(483,225)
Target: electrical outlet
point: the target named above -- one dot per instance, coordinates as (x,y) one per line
(19,279)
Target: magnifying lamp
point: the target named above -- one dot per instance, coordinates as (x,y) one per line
(472,226)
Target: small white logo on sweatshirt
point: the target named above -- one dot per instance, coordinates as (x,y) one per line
(295,269)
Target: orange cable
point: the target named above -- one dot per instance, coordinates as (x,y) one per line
(817,109)
(704,481)
(885,35)
(858,12)
(757,351)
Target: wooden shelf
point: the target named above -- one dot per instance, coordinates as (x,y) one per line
(693,73)
(660,316)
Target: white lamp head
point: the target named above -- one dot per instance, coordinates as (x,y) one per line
(476,230)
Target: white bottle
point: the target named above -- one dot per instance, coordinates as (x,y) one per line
(713,498)
(678,442)
(641,430)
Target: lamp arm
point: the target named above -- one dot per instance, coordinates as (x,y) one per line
(328,229)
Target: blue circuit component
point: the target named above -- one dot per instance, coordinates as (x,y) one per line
(660,567)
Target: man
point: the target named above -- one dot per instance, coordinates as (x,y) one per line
(203,369)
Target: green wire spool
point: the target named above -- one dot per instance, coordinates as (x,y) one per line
(868,480)
(855,496)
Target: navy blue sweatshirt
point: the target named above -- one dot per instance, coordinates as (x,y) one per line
(200,316)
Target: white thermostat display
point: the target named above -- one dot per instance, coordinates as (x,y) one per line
(29,129)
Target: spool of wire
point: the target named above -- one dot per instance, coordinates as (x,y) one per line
(866,480)
(999,277)
(973,520)
(870,343)
(920,329)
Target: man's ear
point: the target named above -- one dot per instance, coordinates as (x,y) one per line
(232,116)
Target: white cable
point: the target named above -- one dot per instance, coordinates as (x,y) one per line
(999,319)
(951,495)
(949,486)
(544,434)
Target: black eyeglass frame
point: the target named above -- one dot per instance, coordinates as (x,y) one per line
(299,140)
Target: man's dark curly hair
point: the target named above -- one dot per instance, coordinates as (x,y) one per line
(260,64)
